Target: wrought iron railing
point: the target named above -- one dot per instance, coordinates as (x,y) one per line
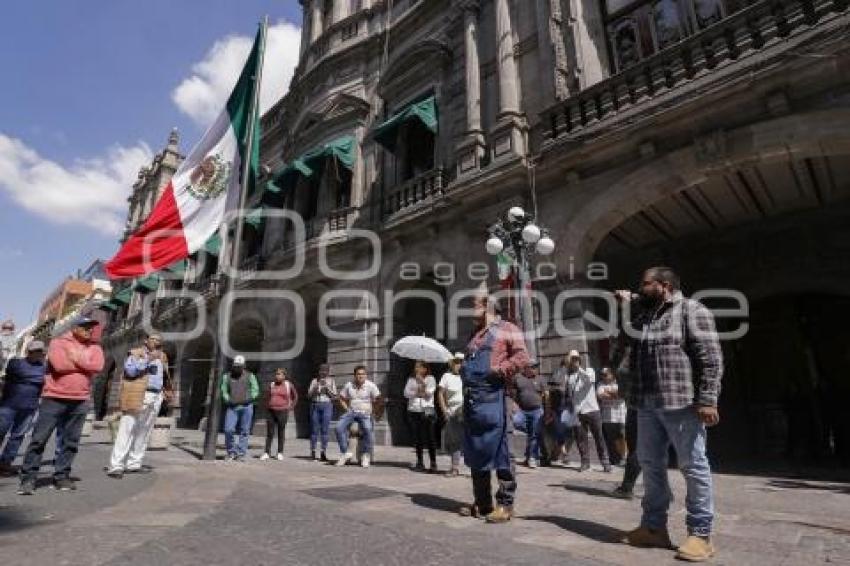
(743,34)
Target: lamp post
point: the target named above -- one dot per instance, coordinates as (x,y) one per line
(517,237)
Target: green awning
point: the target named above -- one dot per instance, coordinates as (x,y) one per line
(287,176)
(307,164)
(177,269)
(340,148)
(213,245)
(424,111)
(255,217)
(147,283)
(123,296)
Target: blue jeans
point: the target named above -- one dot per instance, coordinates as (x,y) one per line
(530,423)
(65,414)
(320,422)
(365,422)
(682,428)
(237,416)
(16,423)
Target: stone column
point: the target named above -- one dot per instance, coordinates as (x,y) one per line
(588,33)
(316,20)
(509,133)
(471,149)
(340,10)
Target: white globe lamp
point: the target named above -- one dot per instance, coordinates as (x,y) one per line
(516,213)
(494,245)
(531,234)
(545,245)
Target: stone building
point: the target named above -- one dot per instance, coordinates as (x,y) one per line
(711,135)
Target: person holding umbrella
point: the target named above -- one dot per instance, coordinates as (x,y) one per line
(494,355)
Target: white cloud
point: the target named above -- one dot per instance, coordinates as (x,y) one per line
(91,192)
(203,94)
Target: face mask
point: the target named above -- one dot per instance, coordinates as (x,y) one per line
(649,301)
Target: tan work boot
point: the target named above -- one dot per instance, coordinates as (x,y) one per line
(695,549)
(500,514)
(644,537)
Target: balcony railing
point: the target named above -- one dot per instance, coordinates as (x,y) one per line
(743,34)
(427,186)
(340,219)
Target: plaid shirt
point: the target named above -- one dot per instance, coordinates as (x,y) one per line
(677,361)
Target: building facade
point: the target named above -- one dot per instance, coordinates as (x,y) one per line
(711,135)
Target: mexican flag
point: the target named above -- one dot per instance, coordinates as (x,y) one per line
(192,206)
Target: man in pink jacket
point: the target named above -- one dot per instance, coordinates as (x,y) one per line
(73,361)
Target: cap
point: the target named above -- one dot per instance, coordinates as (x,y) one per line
(239,361)
(35,345)
(458,356)
(533,364)
(573,354)
(84,321)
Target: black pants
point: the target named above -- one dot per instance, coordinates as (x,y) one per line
(632,472)
(614,433)
(481,488)
(276,420)
(423,436)
(591,422)
(70,416)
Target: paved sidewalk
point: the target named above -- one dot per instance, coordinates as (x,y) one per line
(300,512)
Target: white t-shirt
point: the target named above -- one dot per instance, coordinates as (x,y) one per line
(360,400)
(583,390)
(415,403)
(452,384)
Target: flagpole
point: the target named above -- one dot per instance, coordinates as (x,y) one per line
(211,434)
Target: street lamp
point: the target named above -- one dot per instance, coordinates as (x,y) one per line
(517,237)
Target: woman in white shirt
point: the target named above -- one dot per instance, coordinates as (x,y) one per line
(450,397)
(419,391)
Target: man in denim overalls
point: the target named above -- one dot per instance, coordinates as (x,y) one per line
(495,353)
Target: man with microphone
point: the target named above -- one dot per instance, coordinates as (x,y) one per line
(675,367)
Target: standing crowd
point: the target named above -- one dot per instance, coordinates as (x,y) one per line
(665,399)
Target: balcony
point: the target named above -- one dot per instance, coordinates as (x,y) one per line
(699,58)
(340,220)
(411,195)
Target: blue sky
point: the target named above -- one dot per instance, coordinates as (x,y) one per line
(90,91)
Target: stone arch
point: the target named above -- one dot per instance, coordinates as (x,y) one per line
(423,54)
(824,132)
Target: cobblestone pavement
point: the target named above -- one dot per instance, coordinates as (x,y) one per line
(300,512)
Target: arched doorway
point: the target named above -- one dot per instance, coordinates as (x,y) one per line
(775,233)
(421,311)
(196,369)
(102,388)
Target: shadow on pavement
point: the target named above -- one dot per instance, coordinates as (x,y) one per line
(802,484)
(588,490)
(435,502)
(588,529)
(12,520)
(391,464)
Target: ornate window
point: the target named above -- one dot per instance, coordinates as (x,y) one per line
(639,28)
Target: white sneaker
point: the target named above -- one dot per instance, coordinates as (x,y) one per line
(343,460)
(265,456)
(532,463)
(280,456)
(364,460)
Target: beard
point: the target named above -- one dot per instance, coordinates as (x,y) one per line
(649,301)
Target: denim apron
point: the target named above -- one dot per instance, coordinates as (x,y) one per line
(485,442)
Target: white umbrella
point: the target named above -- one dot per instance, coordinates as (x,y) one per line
(421,348)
